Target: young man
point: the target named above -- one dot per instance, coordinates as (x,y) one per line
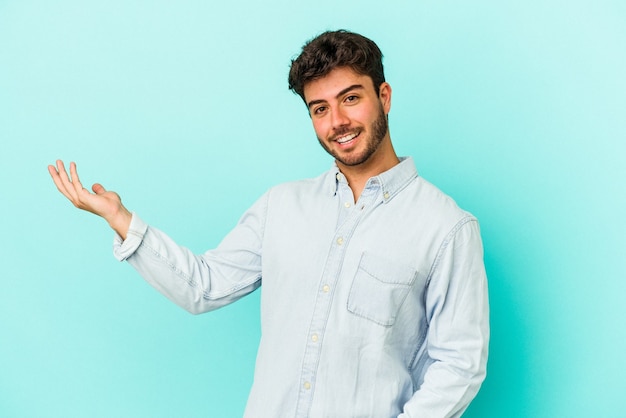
(374,300)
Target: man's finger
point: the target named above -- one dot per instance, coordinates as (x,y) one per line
(98,188)
(58,182)
(67,182)
(65,185)
(75,180)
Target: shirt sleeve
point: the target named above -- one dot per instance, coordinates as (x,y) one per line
(198,283)
(458,335)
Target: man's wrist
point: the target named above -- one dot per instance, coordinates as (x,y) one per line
(120,222)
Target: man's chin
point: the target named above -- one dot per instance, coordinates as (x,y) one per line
(348,158)
(351,160)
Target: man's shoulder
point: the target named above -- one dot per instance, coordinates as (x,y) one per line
(438,204)
(323,183)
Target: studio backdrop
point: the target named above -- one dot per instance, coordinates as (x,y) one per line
(516,109)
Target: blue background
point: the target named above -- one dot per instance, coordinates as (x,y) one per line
(517,109)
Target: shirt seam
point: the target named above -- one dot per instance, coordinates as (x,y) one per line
(442,249)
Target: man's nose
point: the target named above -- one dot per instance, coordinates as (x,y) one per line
(339,119)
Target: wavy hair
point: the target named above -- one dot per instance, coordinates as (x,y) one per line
(334,49)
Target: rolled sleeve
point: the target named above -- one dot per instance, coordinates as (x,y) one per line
(122,249)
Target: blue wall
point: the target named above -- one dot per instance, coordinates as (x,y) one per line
(517,109)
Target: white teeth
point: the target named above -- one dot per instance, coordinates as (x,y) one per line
(346,138)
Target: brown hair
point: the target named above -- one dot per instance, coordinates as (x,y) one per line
(334,49)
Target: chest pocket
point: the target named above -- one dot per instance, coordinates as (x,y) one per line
(379,288)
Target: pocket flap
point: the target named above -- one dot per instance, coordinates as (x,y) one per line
(379,288)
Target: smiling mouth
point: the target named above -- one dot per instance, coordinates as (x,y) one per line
(347,138)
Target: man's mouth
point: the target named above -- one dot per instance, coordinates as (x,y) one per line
(346,138)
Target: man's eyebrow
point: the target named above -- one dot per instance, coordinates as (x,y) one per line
(341,93)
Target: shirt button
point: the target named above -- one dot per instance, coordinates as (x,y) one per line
(340,241)
(314,338)
(326,288)
(386,195)
(307,385)
(347,204)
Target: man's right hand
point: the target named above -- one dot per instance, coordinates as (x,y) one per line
(101,202)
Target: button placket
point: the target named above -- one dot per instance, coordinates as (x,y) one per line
(347,221)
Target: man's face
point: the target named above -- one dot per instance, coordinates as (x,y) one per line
(349,116)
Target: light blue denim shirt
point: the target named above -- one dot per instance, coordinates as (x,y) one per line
(376,308)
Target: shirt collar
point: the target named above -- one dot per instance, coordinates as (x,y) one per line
(391,181)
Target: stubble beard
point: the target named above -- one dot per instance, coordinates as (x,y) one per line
(378,129)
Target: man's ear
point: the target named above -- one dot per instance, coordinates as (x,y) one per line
(384,95)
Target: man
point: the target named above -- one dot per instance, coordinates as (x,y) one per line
(374,299)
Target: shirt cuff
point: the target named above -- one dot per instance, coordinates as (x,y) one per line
(122,249)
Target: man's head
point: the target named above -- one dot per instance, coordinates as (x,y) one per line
(339,75)
(336,49)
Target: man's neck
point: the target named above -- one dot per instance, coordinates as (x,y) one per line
(358,175)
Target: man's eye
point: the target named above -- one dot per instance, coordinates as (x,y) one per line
(350,99)
(319,110)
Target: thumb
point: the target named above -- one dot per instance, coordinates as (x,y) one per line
(98,188)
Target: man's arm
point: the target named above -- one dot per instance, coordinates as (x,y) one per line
(106,204)
(458,336)
(197,283)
